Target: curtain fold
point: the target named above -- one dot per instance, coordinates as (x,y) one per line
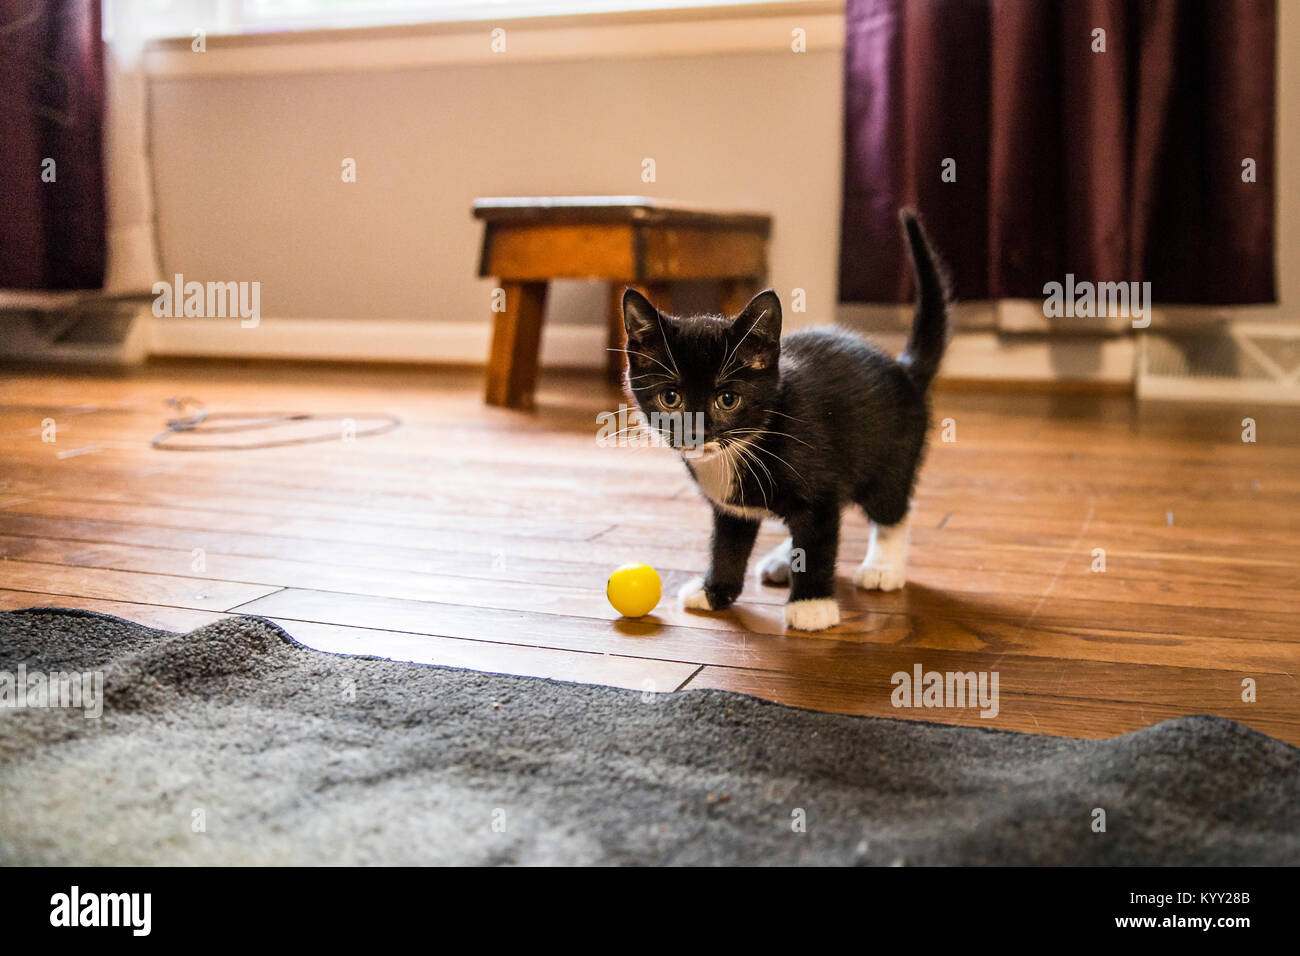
(1122,165)
(133,258)
(51,144)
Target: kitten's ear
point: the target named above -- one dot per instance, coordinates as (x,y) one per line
(640,318)
(759,324)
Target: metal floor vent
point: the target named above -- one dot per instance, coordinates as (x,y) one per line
(1252,363)
(86,330)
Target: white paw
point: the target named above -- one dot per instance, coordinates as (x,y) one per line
(693,596)
(813,614)
(880,577)
(885,566)
(774,567)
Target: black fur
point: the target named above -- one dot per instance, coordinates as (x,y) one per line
(825,418)
(930,322)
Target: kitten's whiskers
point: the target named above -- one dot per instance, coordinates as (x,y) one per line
(749,460)
(773,411)
(768,431)
(753,446)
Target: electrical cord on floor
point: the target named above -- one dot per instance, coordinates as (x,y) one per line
(194,418)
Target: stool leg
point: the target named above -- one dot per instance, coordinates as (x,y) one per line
(659,294)
(615,360)
(735,294)
(516,341)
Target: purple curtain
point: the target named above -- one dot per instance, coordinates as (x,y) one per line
(1123,165)
(52,233)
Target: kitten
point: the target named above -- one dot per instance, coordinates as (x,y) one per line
(795,429)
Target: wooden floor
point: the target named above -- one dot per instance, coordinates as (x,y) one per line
(482,538)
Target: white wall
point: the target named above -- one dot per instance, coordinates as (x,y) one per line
(247,170)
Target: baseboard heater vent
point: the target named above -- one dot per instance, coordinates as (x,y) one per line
(1234,363)
(78,329)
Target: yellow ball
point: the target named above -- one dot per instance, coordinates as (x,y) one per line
(634,589)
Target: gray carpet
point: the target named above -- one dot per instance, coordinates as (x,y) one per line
(232,744)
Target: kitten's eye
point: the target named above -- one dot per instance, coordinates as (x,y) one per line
(727,401)
(670,398)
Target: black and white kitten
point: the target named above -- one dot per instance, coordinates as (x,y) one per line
(795,429)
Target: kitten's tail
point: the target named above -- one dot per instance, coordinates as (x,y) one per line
(930,323)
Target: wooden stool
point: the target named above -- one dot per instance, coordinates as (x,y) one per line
(628,240)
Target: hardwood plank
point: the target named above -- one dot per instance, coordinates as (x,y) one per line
(639,475)
(581,597)
(178,619)
(198,593)
(747,636)
(957,558)
(323,529)
(949,545)
(635,673)
(1055,715)
(501,559)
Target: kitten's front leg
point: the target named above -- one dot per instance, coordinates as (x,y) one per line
(815,535)
(733,540)
(885,566)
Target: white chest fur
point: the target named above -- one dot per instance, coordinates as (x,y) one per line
(716,477)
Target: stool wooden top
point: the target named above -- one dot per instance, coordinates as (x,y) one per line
(626,240)
(554,210)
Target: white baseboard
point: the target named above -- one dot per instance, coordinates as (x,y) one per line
(1216,390)
(973,355)
(1011,358)
(365,340)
